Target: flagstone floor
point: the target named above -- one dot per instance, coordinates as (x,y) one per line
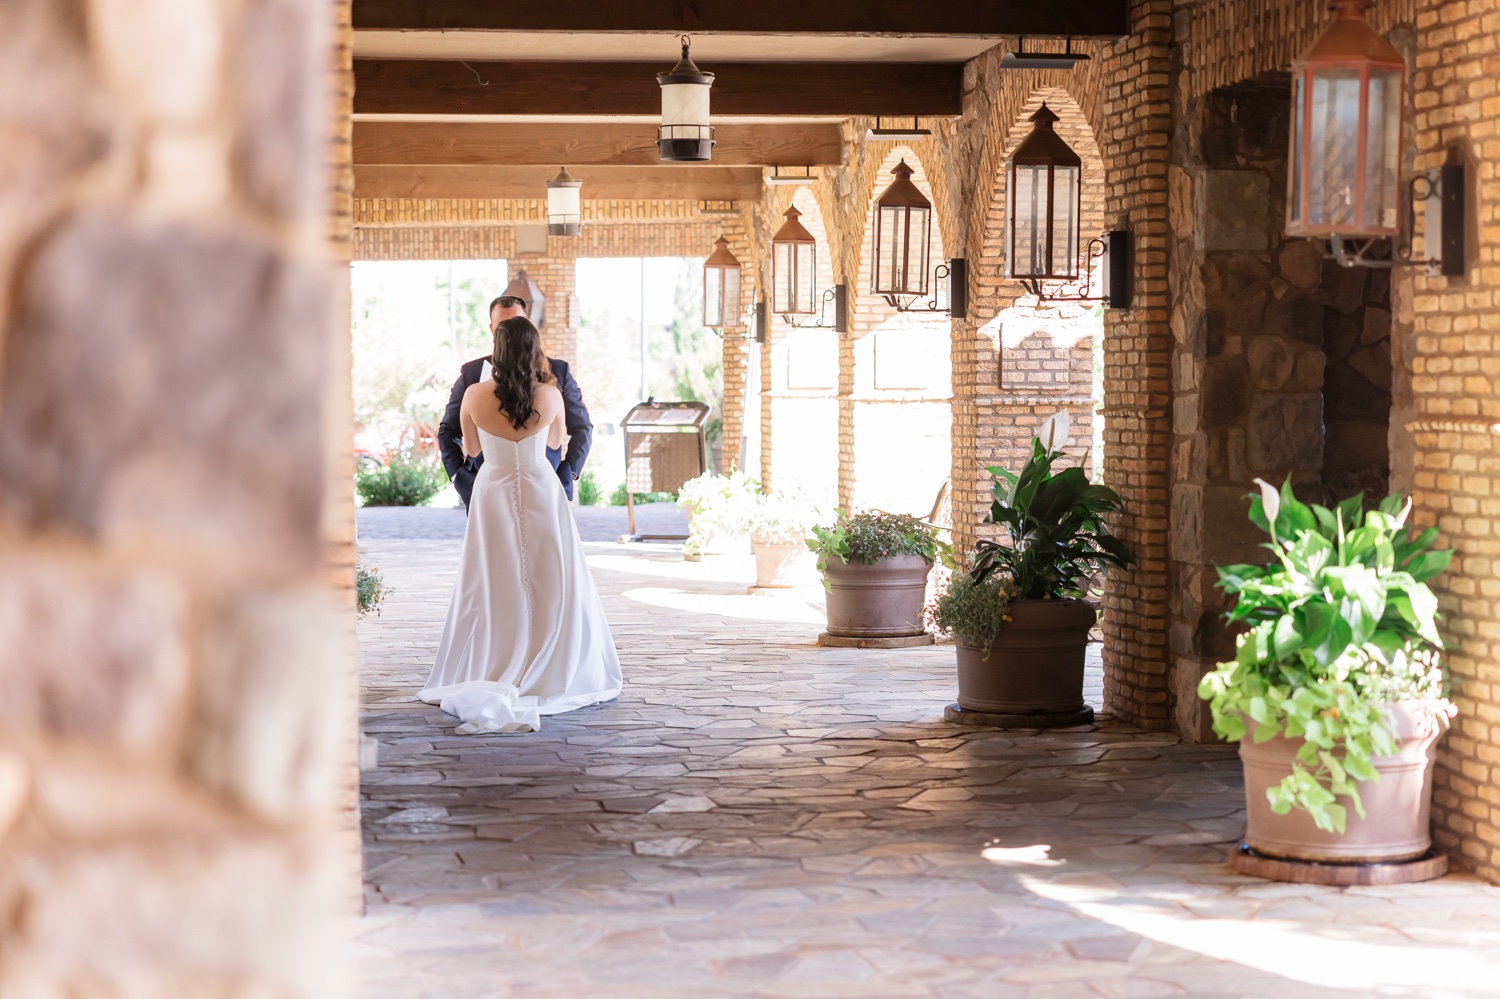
(758,816)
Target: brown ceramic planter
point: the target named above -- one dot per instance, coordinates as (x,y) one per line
(1034,665)
(1397,807)
(883,600)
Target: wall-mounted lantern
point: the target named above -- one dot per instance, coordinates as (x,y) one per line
(685,135)
(903,228)
(564,210)
(1041,218)
(1044,189)
(1348,96)
(721,287)
(794,277)
(521,286)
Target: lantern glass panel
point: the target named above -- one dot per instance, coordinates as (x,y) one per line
(1382,149)
(1028,219)
(713,296)
(893,249)
(1333,139)
(684,104)
(1064,248)
(731,299)
(792,278)
(563,205)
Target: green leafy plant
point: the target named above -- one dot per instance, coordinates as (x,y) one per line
(717,504)
(1342,623)
(617,498)
(972,610)
(411,478)
(872,535)
(370,589)
(589,491)
(1055,521)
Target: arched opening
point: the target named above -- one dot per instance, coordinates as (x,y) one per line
(897,401)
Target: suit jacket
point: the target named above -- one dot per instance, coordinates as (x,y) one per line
(462,469)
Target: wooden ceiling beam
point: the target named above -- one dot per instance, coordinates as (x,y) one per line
(424,86)
(580,146)
(529,182)
(1077,18)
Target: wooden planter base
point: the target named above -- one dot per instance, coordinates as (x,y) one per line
(1310,872)
(1039,719)
(893,642)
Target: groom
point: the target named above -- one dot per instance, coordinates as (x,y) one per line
(461,470)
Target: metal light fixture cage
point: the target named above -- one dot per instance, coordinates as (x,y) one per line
(564,207)
(1042,205)
(794,256)
(903,227)
(721,287)
(1348,92)
(685,135)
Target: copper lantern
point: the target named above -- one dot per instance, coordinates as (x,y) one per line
(1347,99)
(685,135)
(1042,205)
(793,267)
(721,287)
(903,221)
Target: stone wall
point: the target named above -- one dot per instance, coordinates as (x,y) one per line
(174,759)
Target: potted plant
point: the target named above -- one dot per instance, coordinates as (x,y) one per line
(875,568)
(718,509)
(778,525)
(1335,694)
(1033,663)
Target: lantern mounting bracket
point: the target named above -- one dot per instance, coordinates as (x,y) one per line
(1113,251)
(1441,192)
(839,296)
(956,271)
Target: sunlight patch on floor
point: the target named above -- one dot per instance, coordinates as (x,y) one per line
(786,608)
(1317,953)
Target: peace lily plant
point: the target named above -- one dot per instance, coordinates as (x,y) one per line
(1342,626)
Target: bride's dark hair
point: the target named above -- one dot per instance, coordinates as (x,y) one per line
(520,366)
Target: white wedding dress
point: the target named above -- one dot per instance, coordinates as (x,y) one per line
(526,634)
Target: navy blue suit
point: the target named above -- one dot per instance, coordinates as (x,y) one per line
(462,469)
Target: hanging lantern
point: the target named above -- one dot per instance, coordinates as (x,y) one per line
(1042,192)
(564,212)
(1347,96)
(721,287)
(793,267)
(903,220)
(685,136)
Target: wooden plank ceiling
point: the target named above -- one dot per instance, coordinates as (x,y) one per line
(481,99)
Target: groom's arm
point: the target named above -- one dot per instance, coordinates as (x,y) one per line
(451,432)
(576,415)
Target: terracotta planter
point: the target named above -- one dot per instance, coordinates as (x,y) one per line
(1034,665)
(1397,807)
(779,565)
(883,600)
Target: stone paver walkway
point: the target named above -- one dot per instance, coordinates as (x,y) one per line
(757,816)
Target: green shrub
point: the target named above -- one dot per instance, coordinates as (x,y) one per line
(870,536)
(370,588)
(1342,623)
(973,611)
(589,491)
(617,498)
(410,479)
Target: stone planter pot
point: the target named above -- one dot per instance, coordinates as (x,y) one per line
(716,542)
(883,600)
(1396,825)
(778,565)
(1035,664)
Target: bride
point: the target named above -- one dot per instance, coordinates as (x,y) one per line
(526,634)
